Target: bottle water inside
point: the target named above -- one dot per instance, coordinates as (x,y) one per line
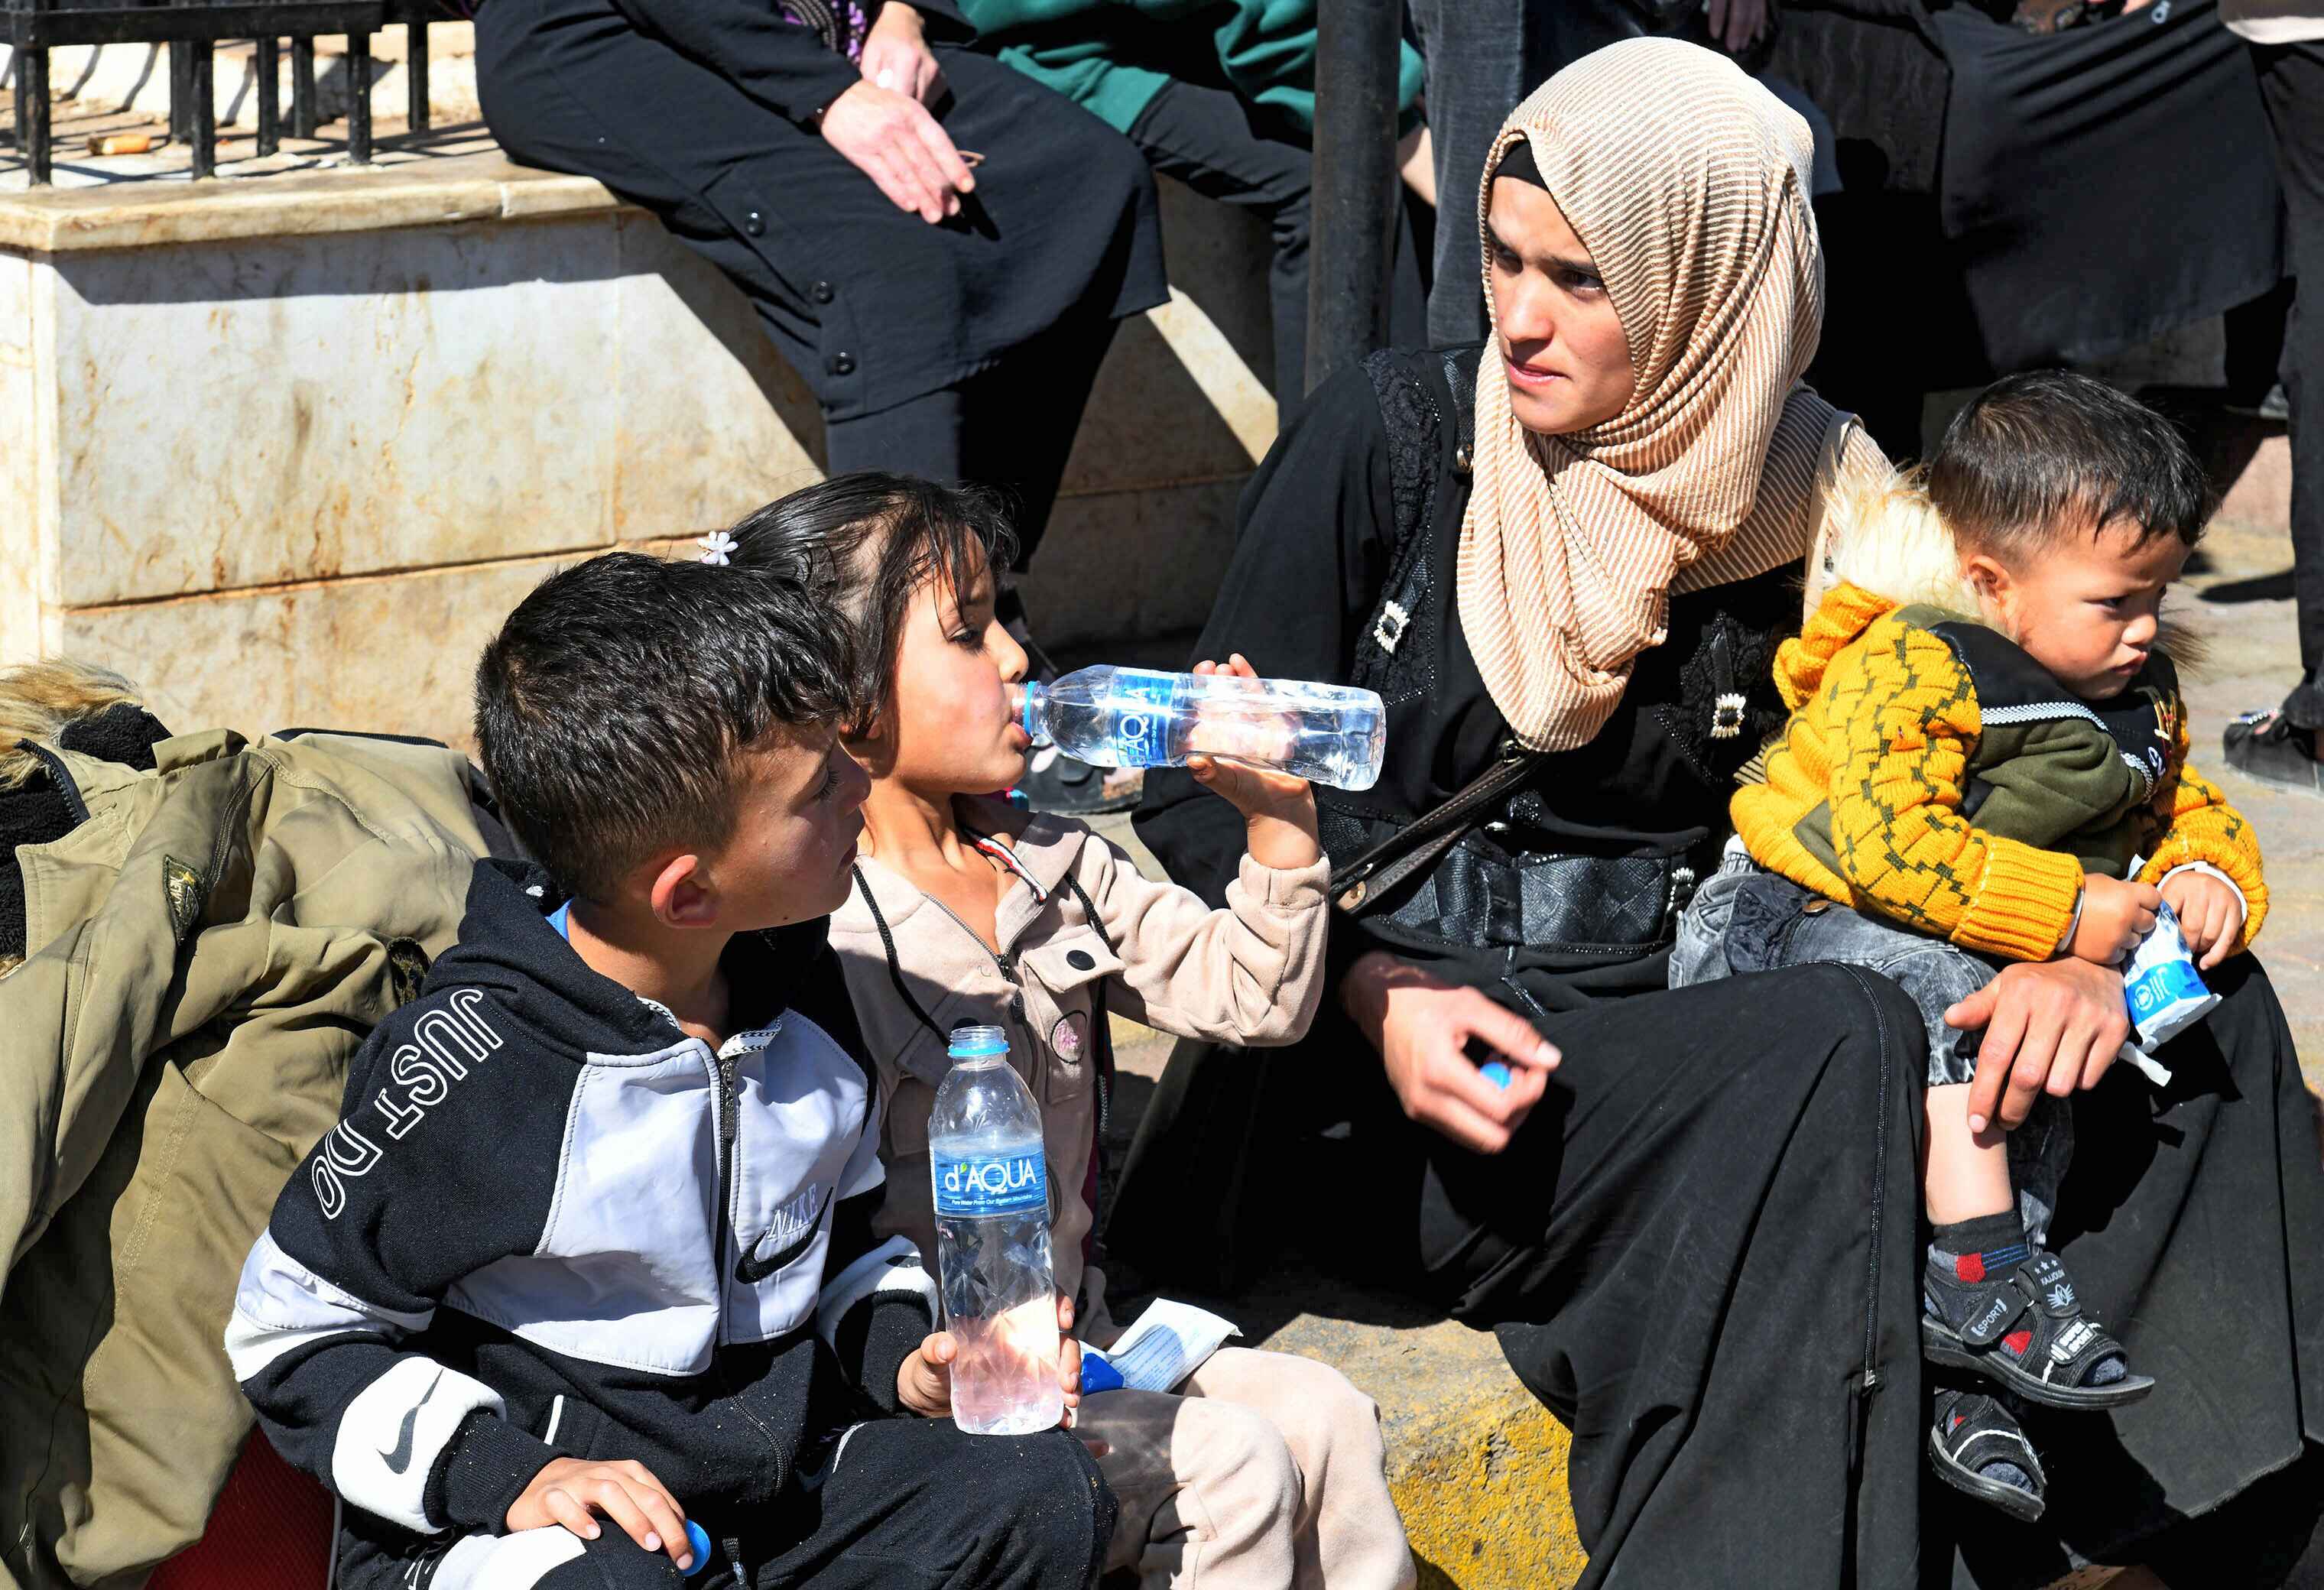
(1138,718)
(993,1241)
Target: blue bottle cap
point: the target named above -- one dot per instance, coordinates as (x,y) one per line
(1098,1375)
(970,1043)
(1495,1073)
(698,1541)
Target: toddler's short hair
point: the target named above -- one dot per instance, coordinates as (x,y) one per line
(2038,457)
(864,543)
(615,706)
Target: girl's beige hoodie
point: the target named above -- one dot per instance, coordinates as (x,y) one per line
(1078,918)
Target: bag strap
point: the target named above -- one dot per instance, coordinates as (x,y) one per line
(1418,845)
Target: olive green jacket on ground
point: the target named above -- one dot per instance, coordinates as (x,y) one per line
(205,951)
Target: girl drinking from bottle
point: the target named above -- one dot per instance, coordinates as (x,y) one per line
(1260,1469)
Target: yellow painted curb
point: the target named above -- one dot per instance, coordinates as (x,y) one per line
(1482,1495)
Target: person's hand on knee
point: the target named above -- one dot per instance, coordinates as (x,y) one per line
(2049,1027)
(891,137)
(1422,1028)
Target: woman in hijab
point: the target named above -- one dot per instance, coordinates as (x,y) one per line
(1565,559)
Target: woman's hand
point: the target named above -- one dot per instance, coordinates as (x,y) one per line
(895,55)
(2116,913)
(1736,24)
(2050,1026)
(891,137)
(2210,914)
(567,1491)
(1422,1028)
(1278,808)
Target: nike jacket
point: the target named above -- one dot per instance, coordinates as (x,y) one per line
(549,1222)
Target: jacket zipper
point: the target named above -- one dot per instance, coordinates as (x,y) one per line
(729,1129)
(725,1105)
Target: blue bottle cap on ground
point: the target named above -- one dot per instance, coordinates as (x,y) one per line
(1495,1073)
(1098,1375)
(970,1043)
(698,1542)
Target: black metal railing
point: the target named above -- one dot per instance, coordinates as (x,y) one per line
(193,29)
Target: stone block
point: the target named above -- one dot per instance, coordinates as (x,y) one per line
(233,417)
(392,654)
(702,438)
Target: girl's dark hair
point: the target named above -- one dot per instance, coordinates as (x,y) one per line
(862,544)
(2048,454)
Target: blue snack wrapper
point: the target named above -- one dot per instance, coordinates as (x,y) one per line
(1098,1375)
(2164,993)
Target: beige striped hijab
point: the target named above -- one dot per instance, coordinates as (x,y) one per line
(1687,182)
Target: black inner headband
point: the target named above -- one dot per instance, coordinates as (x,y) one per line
(1519,163)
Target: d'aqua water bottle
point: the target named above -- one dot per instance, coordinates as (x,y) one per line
(993,1241)
(1112,717)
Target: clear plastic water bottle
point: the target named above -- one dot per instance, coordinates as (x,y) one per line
(993,1241)
(1138,718)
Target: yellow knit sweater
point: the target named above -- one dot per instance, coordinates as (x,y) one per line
(1884,718)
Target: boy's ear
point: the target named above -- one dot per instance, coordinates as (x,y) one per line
(870,746)
(1987,576)
(681,895)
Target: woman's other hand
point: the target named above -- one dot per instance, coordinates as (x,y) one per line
(895,55)
(891,137)
(1278,808)
(1422,1028)
(2050,1026)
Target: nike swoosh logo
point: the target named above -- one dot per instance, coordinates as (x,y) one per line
(399,1458)
(749,1269)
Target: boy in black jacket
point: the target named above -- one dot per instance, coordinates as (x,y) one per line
(594,1234)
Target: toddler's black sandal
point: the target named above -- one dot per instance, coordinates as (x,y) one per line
(1973,1433)
(2023,1331)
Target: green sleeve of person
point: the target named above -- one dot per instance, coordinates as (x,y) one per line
(1265,51)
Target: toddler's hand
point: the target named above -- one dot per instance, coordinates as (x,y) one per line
(1278,808)
(2115,914)
(2210,914)
(567,1490)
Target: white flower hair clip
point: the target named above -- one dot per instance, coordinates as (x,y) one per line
(717,548)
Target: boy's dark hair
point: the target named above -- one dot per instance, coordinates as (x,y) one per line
(613,706)
(2037,456)
(863,543)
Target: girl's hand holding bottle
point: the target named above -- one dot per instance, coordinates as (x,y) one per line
(1278,807)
